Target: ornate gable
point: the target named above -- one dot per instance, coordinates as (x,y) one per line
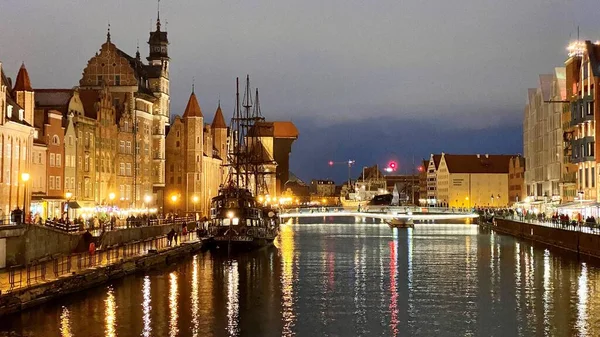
(109,67)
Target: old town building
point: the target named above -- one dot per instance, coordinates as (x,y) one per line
(516,180)
(195,155)
(474,180)
(16,139)
(140,95)
(432,167)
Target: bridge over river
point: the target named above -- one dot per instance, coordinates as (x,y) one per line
(383,213)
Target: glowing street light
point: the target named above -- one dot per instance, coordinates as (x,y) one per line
(195,200)
(25,177)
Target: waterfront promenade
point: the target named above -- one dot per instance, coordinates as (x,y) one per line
(20,277)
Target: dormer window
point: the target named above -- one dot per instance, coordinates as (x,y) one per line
(21,111)
(9,111)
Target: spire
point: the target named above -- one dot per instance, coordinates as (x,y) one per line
(218,121)
(137,53)
(193,108)
(158,17)
(22,82)
(108,33)
(193,83)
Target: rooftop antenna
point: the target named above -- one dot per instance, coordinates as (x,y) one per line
(193,83)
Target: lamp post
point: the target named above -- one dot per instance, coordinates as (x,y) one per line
(25,177)
(111,197)
(147,199)
(195,201)
(174,200)
(68,196)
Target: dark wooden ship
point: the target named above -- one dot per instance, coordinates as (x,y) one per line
(238,220)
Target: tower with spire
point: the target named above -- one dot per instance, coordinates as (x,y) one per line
(23,94)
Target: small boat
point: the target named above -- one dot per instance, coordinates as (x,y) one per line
(401,223)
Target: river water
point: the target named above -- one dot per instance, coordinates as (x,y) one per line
(344,280)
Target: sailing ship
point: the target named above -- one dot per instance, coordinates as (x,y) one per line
(239,219)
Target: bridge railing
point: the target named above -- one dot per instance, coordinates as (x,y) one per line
(379,209)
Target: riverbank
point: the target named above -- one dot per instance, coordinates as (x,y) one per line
(37,294)
(576,241)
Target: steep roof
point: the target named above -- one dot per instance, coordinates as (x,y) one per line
(284,129)
(89,98)
(594,55)
(53,97)
(517,159)
(22,83)
(546,86)
(436,160)
(218,121)
(472,163)
(193,108)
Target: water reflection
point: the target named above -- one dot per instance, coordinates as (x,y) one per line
(110,313)
(173,294)
(65,323)
(233,300)
(146,307)
(194,298)
(582,295)
(287,248)
(343,280)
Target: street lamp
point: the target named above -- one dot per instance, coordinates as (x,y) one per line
(68,196)
(195,201)
(468,202)
(147,199)
(25,177)
(111,197)
(174,200)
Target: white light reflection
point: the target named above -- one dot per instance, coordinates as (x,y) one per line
(518,281)
(393,285)
(146,307)
(287,278)
(65,323)
(409,243)
(360,287)
(233,301)
(110,314)
(194,297)
(546,292)
(582,296)
(173,294)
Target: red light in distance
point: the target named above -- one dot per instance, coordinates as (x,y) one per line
(331,163)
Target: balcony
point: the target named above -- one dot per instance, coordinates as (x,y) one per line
(582,107)
(569,178)
(581,150)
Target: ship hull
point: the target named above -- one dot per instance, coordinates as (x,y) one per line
(236,244)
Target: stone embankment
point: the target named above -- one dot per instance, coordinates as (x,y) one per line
(572,240)
(34,295)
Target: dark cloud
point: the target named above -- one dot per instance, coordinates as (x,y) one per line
(337,62)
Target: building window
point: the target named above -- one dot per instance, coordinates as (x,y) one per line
(580,178)
(593,177)
(58,183)
(179,180)
(99,79)
(128,169)
(39,158)
(128,192)
(52,159)
(122,146)
(58,160)
(122,169)
(177,144)
(591,149)
(128,147)
(55,140)
(86,166)
(117,79)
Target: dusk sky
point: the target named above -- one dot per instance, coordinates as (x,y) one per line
(366,80)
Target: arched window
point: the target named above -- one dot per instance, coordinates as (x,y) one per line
(55,140)
(177,144)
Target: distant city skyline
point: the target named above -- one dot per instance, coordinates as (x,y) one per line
(361,81)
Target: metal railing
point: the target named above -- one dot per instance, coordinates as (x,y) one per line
(566,224)
(52,269)
(69,227)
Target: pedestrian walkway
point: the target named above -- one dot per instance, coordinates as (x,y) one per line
(584,228)
(18,277)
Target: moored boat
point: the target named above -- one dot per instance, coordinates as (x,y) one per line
(400,223)
(238,220)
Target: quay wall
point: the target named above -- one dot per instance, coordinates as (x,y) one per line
(575,241)
(31,296)
(37,243)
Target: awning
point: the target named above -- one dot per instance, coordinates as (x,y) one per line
(73,205)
